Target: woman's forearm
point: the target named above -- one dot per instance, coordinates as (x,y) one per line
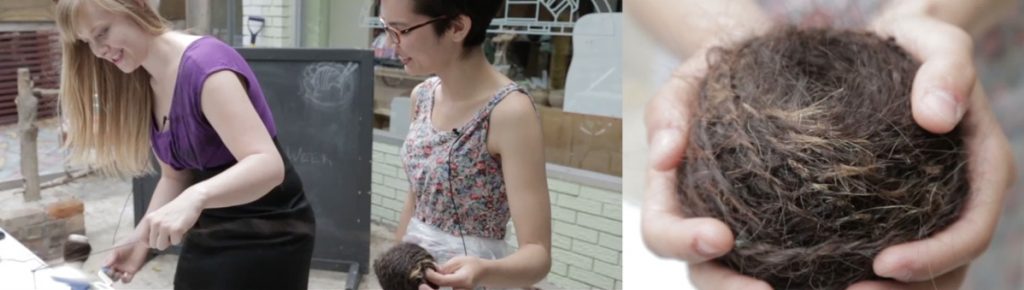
(246,181)
(527,266)
(166,190)
(685,26)
(403,220)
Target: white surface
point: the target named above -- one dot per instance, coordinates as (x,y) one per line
(15,256)
(593,85)
(17,263)
(641,269)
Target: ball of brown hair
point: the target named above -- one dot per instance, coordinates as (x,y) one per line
(805,146)
(404,267)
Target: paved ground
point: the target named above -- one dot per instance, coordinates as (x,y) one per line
(51,157)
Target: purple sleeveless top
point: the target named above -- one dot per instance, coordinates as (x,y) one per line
(190,142)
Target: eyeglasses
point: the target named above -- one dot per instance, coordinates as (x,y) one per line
(395,34)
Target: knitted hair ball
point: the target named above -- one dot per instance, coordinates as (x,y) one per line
(805,146)
(404,267)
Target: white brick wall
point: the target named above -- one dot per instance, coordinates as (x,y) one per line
(389,190)
(279,29)
(586,222)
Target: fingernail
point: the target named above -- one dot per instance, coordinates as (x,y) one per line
(892,268)
(905,274)
(943,103)
(900,275)
(705,249)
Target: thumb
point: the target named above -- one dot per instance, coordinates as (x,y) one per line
(667,114)
(451,265)
(128,277)
(110,260)
(946,78)
(439,279)
(940,92)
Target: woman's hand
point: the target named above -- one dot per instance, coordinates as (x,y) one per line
(666,231)
(462,272)
(167,226)
(948,281)
(946,78)
(945,88)
(126,260)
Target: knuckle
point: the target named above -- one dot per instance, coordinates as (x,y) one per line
(979,247)
(960,38)
(966,67)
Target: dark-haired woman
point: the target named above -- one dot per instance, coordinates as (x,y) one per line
(474,154)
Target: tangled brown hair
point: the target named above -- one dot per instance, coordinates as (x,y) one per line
(804,144)
(404,267)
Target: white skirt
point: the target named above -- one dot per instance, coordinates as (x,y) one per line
(444,246)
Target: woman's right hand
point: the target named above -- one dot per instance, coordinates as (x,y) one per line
(126,260)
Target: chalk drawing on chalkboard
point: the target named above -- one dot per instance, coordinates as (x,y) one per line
(329,85)
(302,156)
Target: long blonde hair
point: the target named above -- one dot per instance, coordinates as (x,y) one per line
(107,111)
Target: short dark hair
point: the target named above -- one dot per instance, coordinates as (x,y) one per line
(480,13)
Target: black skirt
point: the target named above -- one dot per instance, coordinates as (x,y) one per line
(265,244)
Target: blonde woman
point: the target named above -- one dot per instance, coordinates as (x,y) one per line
(474,153)
(226,193)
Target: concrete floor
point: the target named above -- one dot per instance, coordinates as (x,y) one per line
(104,199)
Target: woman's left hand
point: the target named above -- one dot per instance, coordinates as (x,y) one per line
(167,225)
(945,90)
(462,272)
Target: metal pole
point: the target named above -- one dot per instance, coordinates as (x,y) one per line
(232,21)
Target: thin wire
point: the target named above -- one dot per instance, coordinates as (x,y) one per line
(452,191)
(45,266)
(25,261)
(120,217)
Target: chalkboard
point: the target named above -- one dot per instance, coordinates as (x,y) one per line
(322,102)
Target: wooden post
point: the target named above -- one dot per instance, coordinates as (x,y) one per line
(28,133)
(561,50)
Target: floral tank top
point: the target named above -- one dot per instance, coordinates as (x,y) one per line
(458,185)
